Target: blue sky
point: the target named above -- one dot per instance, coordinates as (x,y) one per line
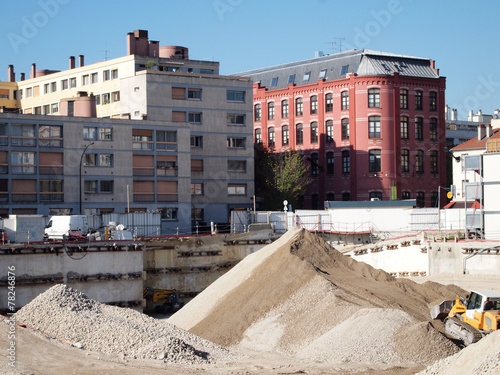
(247,34)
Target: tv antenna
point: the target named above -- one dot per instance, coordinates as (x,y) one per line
(335,43)
(106,53)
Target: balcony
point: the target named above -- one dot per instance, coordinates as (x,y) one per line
(23,197)
(52,197)
(145,197)
(167,197)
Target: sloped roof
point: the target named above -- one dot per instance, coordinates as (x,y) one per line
(474,143)
(337,66)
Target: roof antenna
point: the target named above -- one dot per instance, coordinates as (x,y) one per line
(106,53)
(335,43)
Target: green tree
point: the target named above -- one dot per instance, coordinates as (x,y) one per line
(279,177)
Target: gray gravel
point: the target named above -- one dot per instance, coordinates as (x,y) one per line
(67,314)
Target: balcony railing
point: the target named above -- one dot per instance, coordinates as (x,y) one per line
(144,171)
(169,172)
(23,197)
(147,197)
(50,169)
(52,197)
(167,197)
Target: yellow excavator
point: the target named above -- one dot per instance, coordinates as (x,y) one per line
(469,319)
(165,300)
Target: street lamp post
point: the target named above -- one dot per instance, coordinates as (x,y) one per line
(81,160)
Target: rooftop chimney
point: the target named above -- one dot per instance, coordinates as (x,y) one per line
(481,132)
(33,71)
(80,61)
(22,76)
(489,131)
(11,76)
(72,62)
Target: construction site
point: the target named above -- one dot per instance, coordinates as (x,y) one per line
(253,303)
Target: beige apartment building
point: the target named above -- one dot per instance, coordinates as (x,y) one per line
(152,130)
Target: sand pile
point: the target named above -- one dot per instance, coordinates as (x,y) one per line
(482,357)
(301,297)
(65,313)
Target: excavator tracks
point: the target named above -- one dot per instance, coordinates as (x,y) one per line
(462,331)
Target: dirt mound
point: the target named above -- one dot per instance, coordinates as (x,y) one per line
(65,313)
(299,296)
(482,357)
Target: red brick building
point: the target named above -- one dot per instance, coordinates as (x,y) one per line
(371,124)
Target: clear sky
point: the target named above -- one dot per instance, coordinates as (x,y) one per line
(459,35)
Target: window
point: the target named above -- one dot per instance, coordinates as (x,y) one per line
(197,141)
(50,136)
(105,134)
(419,161)
(434,162)
(105,75)
(330,197)
(106,98)
(106,186)
(405,195)
(307,75)
(23,135)
(235,119)
(236,142)
(258,136)
(166,140)
(197,214)
(434,199)
(274,81)
(142,139)
(418,100)
(270,137)
(322,74)
(314,104)
(433,135)
(194,117)
(236,165)
(285,135)
(405,160)
(114,74)
(235,96)
(46,109)
(168,213)
(257,112)
(270,111)
(328,102)
(329,164)
(196,165)
(53,86)
(375,161)
(376,195)
(345,129)
(94,78)
(51,190)
(23,162)
(314,164)
(403,99)
(197,189)
(345,100)
(98,99)
(284,109)
(329,131)
(90,133)
(314,132)
(46,89)
(299,107)
(374,98)
(346,196)
(419,128)
(85,80)
(403,121)
(432,101)
(194,94)
(346,162)
(64,84)
(236,189)
(299,134)
(420,199)
(374,127)
(72,82)
(115,96)
(29,92)
(344,70)
(54,108)
(90,186)
(291,79)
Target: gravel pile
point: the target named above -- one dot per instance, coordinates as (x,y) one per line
(65,313)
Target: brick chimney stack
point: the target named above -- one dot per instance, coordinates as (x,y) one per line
(11,76)
(72,62)
(80,61)
(33,71)
(22,76)
(481,132)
